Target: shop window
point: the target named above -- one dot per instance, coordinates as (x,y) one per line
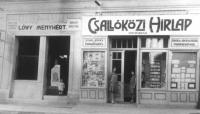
(153,69)
(154,42)
(183,70)
(93,73)
(123,42)
(27,59)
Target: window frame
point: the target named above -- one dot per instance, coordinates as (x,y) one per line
(197,68)
(17,58)
(140,71)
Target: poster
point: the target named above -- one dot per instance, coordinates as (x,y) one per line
(55,75)
(185,74)
(93,74)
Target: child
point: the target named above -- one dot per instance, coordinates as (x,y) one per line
(61,87)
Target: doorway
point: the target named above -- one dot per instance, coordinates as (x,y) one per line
(129,66)
(124,61)
(57,65)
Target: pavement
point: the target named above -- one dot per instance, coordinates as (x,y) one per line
(96,108)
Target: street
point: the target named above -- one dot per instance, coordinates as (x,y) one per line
(95,108)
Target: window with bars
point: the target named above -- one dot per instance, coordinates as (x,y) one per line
(124,43)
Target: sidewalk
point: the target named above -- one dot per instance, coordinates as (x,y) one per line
(95,108)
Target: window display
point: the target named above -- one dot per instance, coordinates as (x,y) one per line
(183,71)
(153,69)
(93,74)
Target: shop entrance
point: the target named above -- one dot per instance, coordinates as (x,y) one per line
(124,61)
(57,65)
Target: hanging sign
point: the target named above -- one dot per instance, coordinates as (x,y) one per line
(141,25)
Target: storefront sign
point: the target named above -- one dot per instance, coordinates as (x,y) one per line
(94,43)
(141,25)
(69,25)
(185,42)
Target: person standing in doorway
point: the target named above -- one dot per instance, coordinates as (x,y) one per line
(113,85)
(132,86)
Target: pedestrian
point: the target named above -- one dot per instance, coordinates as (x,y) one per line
(113,85)
(132,86)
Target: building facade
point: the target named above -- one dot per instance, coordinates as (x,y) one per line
(64,51)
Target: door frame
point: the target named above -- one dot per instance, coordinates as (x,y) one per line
(121,98)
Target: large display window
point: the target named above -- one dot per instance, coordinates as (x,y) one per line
(153,64)
(153,73)
(183,71)
(93,70)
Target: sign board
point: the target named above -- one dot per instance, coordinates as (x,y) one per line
(141,25)
(45,28)
(94,43)
(185,42)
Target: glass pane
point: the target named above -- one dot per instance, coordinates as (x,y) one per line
(117,65)
(143,42)
(134,43)
(29,45)
(124,45)
(129,43)
(27,60)
(93,74)
(27,67)
(165,42)
(119,43)
(119,55)
(114,55)
(114,43)
(183,70)
(153,69)
(154,42)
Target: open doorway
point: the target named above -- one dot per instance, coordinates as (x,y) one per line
(129,65)
(57,65)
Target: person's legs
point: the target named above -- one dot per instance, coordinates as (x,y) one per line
(112,97)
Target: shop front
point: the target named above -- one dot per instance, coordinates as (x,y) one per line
(42,58)
(162,50)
